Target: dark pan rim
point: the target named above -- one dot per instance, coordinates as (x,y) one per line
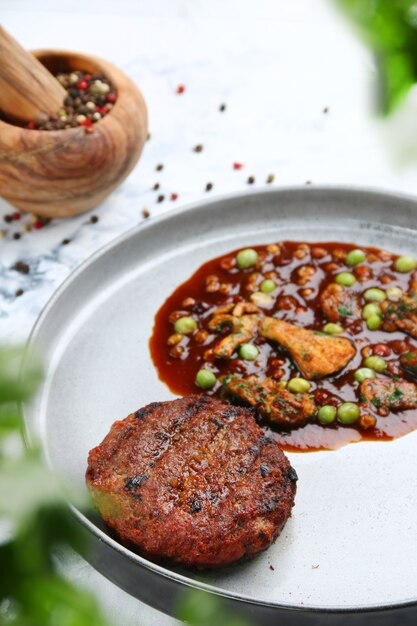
(193,208)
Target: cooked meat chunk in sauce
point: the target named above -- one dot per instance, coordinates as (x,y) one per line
(338,302)
(316,355)
(270,399)
(386,393)
(402,315)
(242,320)
(408,362)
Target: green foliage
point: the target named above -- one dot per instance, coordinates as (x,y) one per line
(33,507)
(390,29)
(199,608)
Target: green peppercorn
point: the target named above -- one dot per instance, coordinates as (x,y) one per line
(346,279)
(267,286)
(405,264)
(246,258)
(205,379)
(363,373)
(371,309)
(374,322)
(333,329)
(298,385)
(376,363)
(374,295)
(327,414)
(185,325)
(248,351)
(394,293)
(348,413)
(354,257)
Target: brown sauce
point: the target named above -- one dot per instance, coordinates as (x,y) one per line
(297,303)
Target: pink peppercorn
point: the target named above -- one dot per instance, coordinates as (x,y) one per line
(16,216)
(37,225)
(180,88)
(237,166)
(174,196)
(82,84)
(111,97)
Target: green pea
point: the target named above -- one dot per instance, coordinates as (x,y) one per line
(248,351)
(185,325)
(348,413)
(374,322)
(298,385)
(370,310)
(374,295)
(246,258)
(363,373)
(205,379)
(346,279)
(405,264)
(267,286)
(333,329)
(376,363)
(354,257)
(394,293)
(327,414)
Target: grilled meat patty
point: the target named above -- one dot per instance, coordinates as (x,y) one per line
(194,481)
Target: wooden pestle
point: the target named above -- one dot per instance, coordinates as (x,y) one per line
(27,89)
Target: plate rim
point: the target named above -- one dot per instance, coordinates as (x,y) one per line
(30,348)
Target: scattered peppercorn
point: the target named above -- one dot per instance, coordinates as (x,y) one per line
(174,196)
(16,235)
(19,292)
(65,242)
(159,167)
(198,148)
(270,178)
(209,186)
(83,106)
(22,267)
(308,182)
(8,219)
(237,166)
(160,198)
(148,136)
(222,108)
(155,187)
(180,88)
(251,180)
(37,225)
(94,219)
(145,212)
(16,216)
(326,110)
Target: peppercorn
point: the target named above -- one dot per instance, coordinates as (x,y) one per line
(251,180)
(159,167)
(94,219)
(198,148)
(21,267)
(209,186)
(161,198)
(222,108)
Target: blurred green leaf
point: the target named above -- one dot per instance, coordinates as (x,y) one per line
(199,608)
(390,29)
(14,386)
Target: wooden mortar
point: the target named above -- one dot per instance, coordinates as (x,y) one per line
(59,173)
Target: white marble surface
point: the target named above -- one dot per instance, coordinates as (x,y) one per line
(275,64)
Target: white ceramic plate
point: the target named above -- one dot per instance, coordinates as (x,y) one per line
(351,545)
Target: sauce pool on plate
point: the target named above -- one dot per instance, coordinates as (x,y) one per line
(319,338)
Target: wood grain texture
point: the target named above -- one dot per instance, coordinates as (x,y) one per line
(27,88)
(66,172)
